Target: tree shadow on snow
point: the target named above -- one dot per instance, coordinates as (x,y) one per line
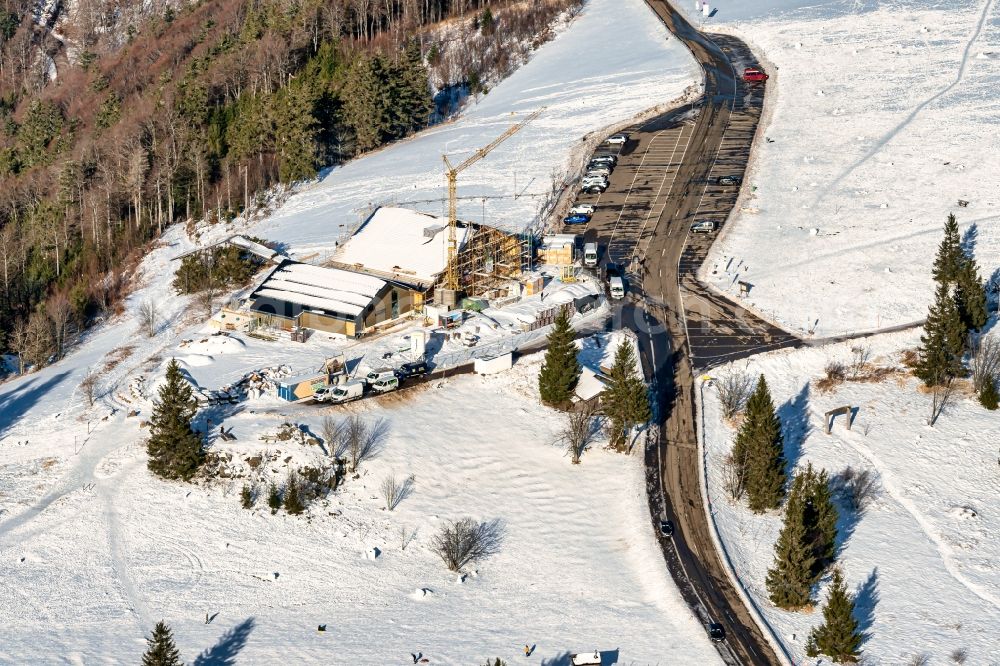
(866,597)
(224,652)
(21,397)
(794,416)
(969,238)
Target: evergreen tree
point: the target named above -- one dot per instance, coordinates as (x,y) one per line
(295,131)
(246,496)
(160,650)
(970,296)
(789,581)
(293,496)
(759,451)
(943,342)
(626,399)
(948,261)
(414,90)
(363,110)
(819,518)
(273,497)
(175,450)
(838,637)
(988,396)
(561,370)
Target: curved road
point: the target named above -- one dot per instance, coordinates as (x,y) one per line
(665,180)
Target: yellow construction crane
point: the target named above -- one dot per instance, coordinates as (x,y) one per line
(451,276)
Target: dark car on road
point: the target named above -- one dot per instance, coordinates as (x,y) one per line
(716,632)
(413,369)
(666,528)
(578,218)
(729,180)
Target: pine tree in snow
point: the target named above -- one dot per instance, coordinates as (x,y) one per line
(626,399)
(790,579)
(819,517)
(943,342)
(970,296)
(175,450)
(160,650)
(759,450)
(950,256)
(561,370)
(838,637)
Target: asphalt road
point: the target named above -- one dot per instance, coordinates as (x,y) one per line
(665,181)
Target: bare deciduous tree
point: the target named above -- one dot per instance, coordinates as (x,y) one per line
(395,491)
(579,429)
(148,316)
(206,299)
(406,536)
(941,395)
(331,436)
(360,439)
(734,391)
(858,488)
(466,540)
(59,312)
(734,477)
(89,387)
(860,355)
(985,362)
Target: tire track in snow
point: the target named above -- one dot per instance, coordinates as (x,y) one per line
(888,136)
(944,551)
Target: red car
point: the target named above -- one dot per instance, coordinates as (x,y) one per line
(754,75)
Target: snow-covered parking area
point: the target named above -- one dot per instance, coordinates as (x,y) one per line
(880,117)
(578,568)
(924,558)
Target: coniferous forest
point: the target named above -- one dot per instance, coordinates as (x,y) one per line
(121,123)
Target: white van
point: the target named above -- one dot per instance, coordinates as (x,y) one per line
(617,287)
(386,384)
(590,254)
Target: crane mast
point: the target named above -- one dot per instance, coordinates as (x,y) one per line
(451,281)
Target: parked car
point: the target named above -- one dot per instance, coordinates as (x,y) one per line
(716,632)
(582,209)
(578,218)
(386,384)
(376,375)
(413,369)
(619,139)
(601,164)
(594,189)
(704,227)
(616,287)
(322,394)
(666,528)
(605,159)
(594,180)
(754,75)
(602,172)
(729,180)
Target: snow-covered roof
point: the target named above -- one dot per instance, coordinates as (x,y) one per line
(589,385)
(558,240)
(330,289)
(251,246)
(411,244)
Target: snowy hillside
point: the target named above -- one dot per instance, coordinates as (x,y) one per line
(881,116)
(94,550)
(925,556)
(616,61)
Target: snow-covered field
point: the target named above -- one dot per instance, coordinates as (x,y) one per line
(614,61)
(113,554)
(925,557)
(882,115)
(94,550)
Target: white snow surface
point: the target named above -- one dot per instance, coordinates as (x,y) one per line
(615,60)
(883,114)
(924,558)
(94,550)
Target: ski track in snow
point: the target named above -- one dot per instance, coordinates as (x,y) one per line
(944,551)
(888,136)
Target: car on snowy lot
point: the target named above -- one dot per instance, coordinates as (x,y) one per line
(704,227)
(729,180)
(578,218)
(602,171)
(605,159)
(594,189)
(666,528)
(619,139)
(594,180)
(754,75)
(412,369)
(716,632)
(582,209)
